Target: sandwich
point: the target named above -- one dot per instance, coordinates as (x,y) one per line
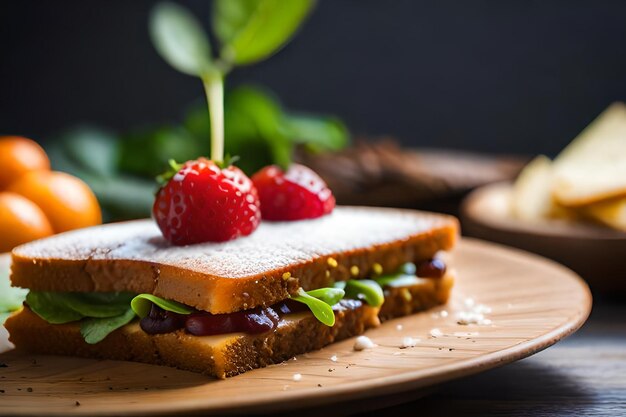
(122,292)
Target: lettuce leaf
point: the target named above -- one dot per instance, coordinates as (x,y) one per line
(50,307)
(99,313)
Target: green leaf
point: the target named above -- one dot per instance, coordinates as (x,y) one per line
(408,268)
(123,196)
(94,330)
(397,280)
(405,278)
(252,30)
(330,296)
(146,151)
(258,109)
(95,304)
(316,133)
(180,39)
(365,289)
(173,168)
(100,313)
(4,316)
(142,303)
(51,308)
(93,150)
(321,310)
(11,298)
(340,284)
(64,307)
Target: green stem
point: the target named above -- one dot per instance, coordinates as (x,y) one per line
(214,89)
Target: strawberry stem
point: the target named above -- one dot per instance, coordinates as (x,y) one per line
(214,89)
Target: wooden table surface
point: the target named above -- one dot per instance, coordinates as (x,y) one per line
(584,375)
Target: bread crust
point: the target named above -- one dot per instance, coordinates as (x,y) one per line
(133,257)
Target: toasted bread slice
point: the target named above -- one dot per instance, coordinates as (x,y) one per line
(257,270)
(593,167)
(532,192)
(532,198)
(230,354)
(611,213)
(220,356)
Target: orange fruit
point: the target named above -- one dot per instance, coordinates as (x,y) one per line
(19,155)
(67,201)
(21,221)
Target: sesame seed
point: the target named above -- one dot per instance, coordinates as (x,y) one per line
(354,270)
(377,268)
(332,262)
(297,377)
(286,275)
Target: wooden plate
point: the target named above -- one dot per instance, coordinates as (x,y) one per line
(534,303)
(594,252)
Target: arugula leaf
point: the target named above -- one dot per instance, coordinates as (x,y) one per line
(94,330)
(180,39)
(51,308)
(366,289)
(251,30)
(321,310)
(141,305)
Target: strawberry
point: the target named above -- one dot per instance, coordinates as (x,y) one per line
(296,194)
(201,202)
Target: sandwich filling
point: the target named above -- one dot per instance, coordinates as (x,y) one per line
(99,314)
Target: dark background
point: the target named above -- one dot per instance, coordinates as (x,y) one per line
(497,76)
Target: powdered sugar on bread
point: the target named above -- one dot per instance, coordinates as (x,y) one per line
(239,274)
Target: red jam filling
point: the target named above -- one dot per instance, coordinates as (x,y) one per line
(258,320)
(202,323)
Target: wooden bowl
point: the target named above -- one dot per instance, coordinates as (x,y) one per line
(597,254)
